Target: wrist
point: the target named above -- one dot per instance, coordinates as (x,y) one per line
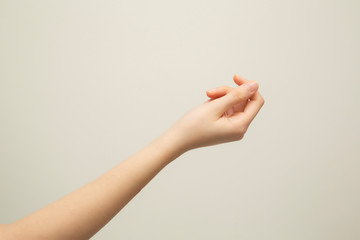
(172,142)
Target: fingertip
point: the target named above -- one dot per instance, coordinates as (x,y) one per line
(257,84)
(211,91)
(212,94)
(252,85)
(254,81)
(235,77)
(239,80)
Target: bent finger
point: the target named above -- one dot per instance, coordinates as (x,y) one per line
(252,108)
(218,92)
(239,80)
(235,96)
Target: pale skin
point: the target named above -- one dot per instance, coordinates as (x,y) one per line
(225,117)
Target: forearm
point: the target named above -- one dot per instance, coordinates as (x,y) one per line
(85,211)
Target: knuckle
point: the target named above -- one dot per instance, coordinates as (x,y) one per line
(236,131)
(241,130)
(239,94)
(239,133)
(262,101)
(239,136)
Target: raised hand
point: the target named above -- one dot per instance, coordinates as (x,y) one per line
(225,117)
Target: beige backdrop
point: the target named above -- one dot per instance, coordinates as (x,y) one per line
(85,84)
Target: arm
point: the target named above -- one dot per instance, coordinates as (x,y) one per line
(85,211)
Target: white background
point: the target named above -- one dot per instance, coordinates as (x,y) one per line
(85,84)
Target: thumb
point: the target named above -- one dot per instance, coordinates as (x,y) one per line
(237,95)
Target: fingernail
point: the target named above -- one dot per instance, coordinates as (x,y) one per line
(252,86)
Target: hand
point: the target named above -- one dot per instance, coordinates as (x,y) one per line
(225,117)
(221,91)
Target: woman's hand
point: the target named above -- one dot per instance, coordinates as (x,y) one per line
(225,117)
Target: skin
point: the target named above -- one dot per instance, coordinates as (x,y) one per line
(225,117)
